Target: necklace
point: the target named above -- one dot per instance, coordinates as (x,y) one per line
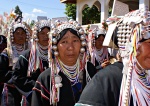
(42,52)
(72,72)
(18,49)
(100,55)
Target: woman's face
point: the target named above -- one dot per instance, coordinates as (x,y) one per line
(43,37)
(69,48)
(20,36)
(99,42)
(144,54)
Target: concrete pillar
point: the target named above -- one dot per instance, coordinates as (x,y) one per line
(143,3)
(104,10)
(78,12)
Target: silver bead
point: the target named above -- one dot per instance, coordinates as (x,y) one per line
(12,40)
(34,36)
(54,40)
(75,22)
(54,33)
(83,43)
(81,31)
(82,50)
(36,39)
(82,37)
(58,22)
(71,21)
(78,26)
(54,47)
(12,37)
(56,53)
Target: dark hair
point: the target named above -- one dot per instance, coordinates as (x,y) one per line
(18,28)
(45,27)
(62,33)
(96,37)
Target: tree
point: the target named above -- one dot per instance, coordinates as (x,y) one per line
(18,11)
(71,11)
(89,15)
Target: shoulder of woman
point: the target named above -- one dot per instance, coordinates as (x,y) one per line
(45,74)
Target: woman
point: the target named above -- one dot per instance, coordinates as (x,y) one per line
(64,81)
(98,53)
(17,42)
(32,62)
(136,73)
(133,39)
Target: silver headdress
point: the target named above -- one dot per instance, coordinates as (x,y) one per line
(54,37)
(38,26)
(130,31)
(59,26)
(13,55)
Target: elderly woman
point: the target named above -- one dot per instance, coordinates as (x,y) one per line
(99,55)
(63,82)
(17,42)
(133,39)
(32,62)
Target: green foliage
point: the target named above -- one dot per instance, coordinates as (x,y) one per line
(32,23)
(89,15)
(18,11)
(71,11)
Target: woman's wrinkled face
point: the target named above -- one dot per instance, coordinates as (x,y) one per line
(99,42)
(43,37)
(20,36)
(69,48)
(144,54)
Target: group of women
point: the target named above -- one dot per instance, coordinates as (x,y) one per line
(53,65)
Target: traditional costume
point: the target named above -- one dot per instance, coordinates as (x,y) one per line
(133,29)
(97,56)
(8,58)
(129,32)
(30,64)
(60,84)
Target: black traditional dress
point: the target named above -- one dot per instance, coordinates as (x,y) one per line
(69,95)
(22,82)
(104,88)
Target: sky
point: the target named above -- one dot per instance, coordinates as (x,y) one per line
(33,8)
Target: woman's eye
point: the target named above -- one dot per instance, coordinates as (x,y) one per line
(64,41)
(76,40)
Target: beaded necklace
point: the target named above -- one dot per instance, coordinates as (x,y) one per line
(100,55)
(72,72)
(140,86)
(42,52)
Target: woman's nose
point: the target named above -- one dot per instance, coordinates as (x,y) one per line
(70,46)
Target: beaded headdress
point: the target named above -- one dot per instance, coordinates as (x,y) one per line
(59,26)
(35,55)
(10,39)
(93,35)
(54,37)
(38,27)
(132,29)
